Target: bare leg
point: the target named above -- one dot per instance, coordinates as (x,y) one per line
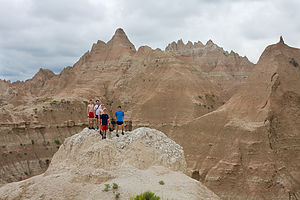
(89,122)
(97,123)
(122,128)
(117,129)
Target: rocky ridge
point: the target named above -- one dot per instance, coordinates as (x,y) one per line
(250,145)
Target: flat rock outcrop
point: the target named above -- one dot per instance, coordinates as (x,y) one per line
(136,162)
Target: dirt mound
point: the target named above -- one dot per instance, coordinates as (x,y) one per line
(136,162)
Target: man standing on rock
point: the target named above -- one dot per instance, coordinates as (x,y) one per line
(90,114)
(97,108)
(120,120)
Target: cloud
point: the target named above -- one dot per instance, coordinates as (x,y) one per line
(54,34)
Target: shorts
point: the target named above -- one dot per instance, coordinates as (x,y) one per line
(91,115)
(119,123)
(97,116)
(104,127)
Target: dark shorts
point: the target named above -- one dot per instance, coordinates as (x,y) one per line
(119,123)
(97,116)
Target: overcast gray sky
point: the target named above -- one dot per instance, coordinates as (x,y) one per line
(54,34)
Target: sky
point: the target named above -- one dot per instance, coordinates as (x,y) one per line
(54,34)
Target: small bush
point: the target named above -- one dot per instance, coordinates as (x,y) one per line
(106,189)
(212,106)
(148,195)
(161,182)
(115,186)
(32,142)
(86,102)
(26,173)
(54,102)
(200,97)
(57,142)
(117,195)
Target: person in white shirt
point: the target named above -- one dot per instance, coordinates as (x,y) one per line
(97,109)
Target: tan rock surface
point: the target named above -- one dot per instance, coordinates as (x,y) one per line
(136,162)
(249,148)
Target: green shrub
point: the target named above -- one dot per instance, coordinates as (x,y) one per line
(106,189)
(86,102)
(115,186)
(212,106)
(161,182)
(57,142)
(32,141)
(26,173)
(148,195)
(117,195)
(200,97)
(55,102)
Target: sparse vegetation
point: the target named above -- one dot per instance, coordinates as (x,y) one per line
(26,173)
(294,62)
(115,186)
(204,105)
(47,99)
(148,195)
(161,182)
(57,142)
(106,189)
(200,97)
(212,106)
(86,103)
(117,195)
(32,142)
(54,102)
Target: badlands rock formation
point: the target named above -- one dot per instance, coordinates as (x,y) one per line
(161,89)
(136,162)
(250,147)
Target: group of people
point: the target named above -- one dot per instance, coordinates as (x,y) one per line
(99,114)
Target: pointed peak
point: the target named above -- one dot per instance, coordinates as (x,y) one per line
(120,31)
(281,41)
(210,42)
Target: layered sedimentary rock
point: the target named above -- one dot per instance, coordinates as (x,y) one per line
(250,147)
(160,89)
(136,162)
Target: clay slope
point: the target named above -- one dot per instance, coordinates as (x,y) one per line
(136,162)
(250,147)
(159,89)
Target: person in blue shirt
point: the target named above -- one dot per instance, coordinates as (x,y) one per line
(120,120)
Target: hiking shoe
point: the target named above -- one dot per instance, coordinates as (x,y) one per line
(122,133)
(93,128)
(97,127)
(90,128)
(117,135)
(104,136)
